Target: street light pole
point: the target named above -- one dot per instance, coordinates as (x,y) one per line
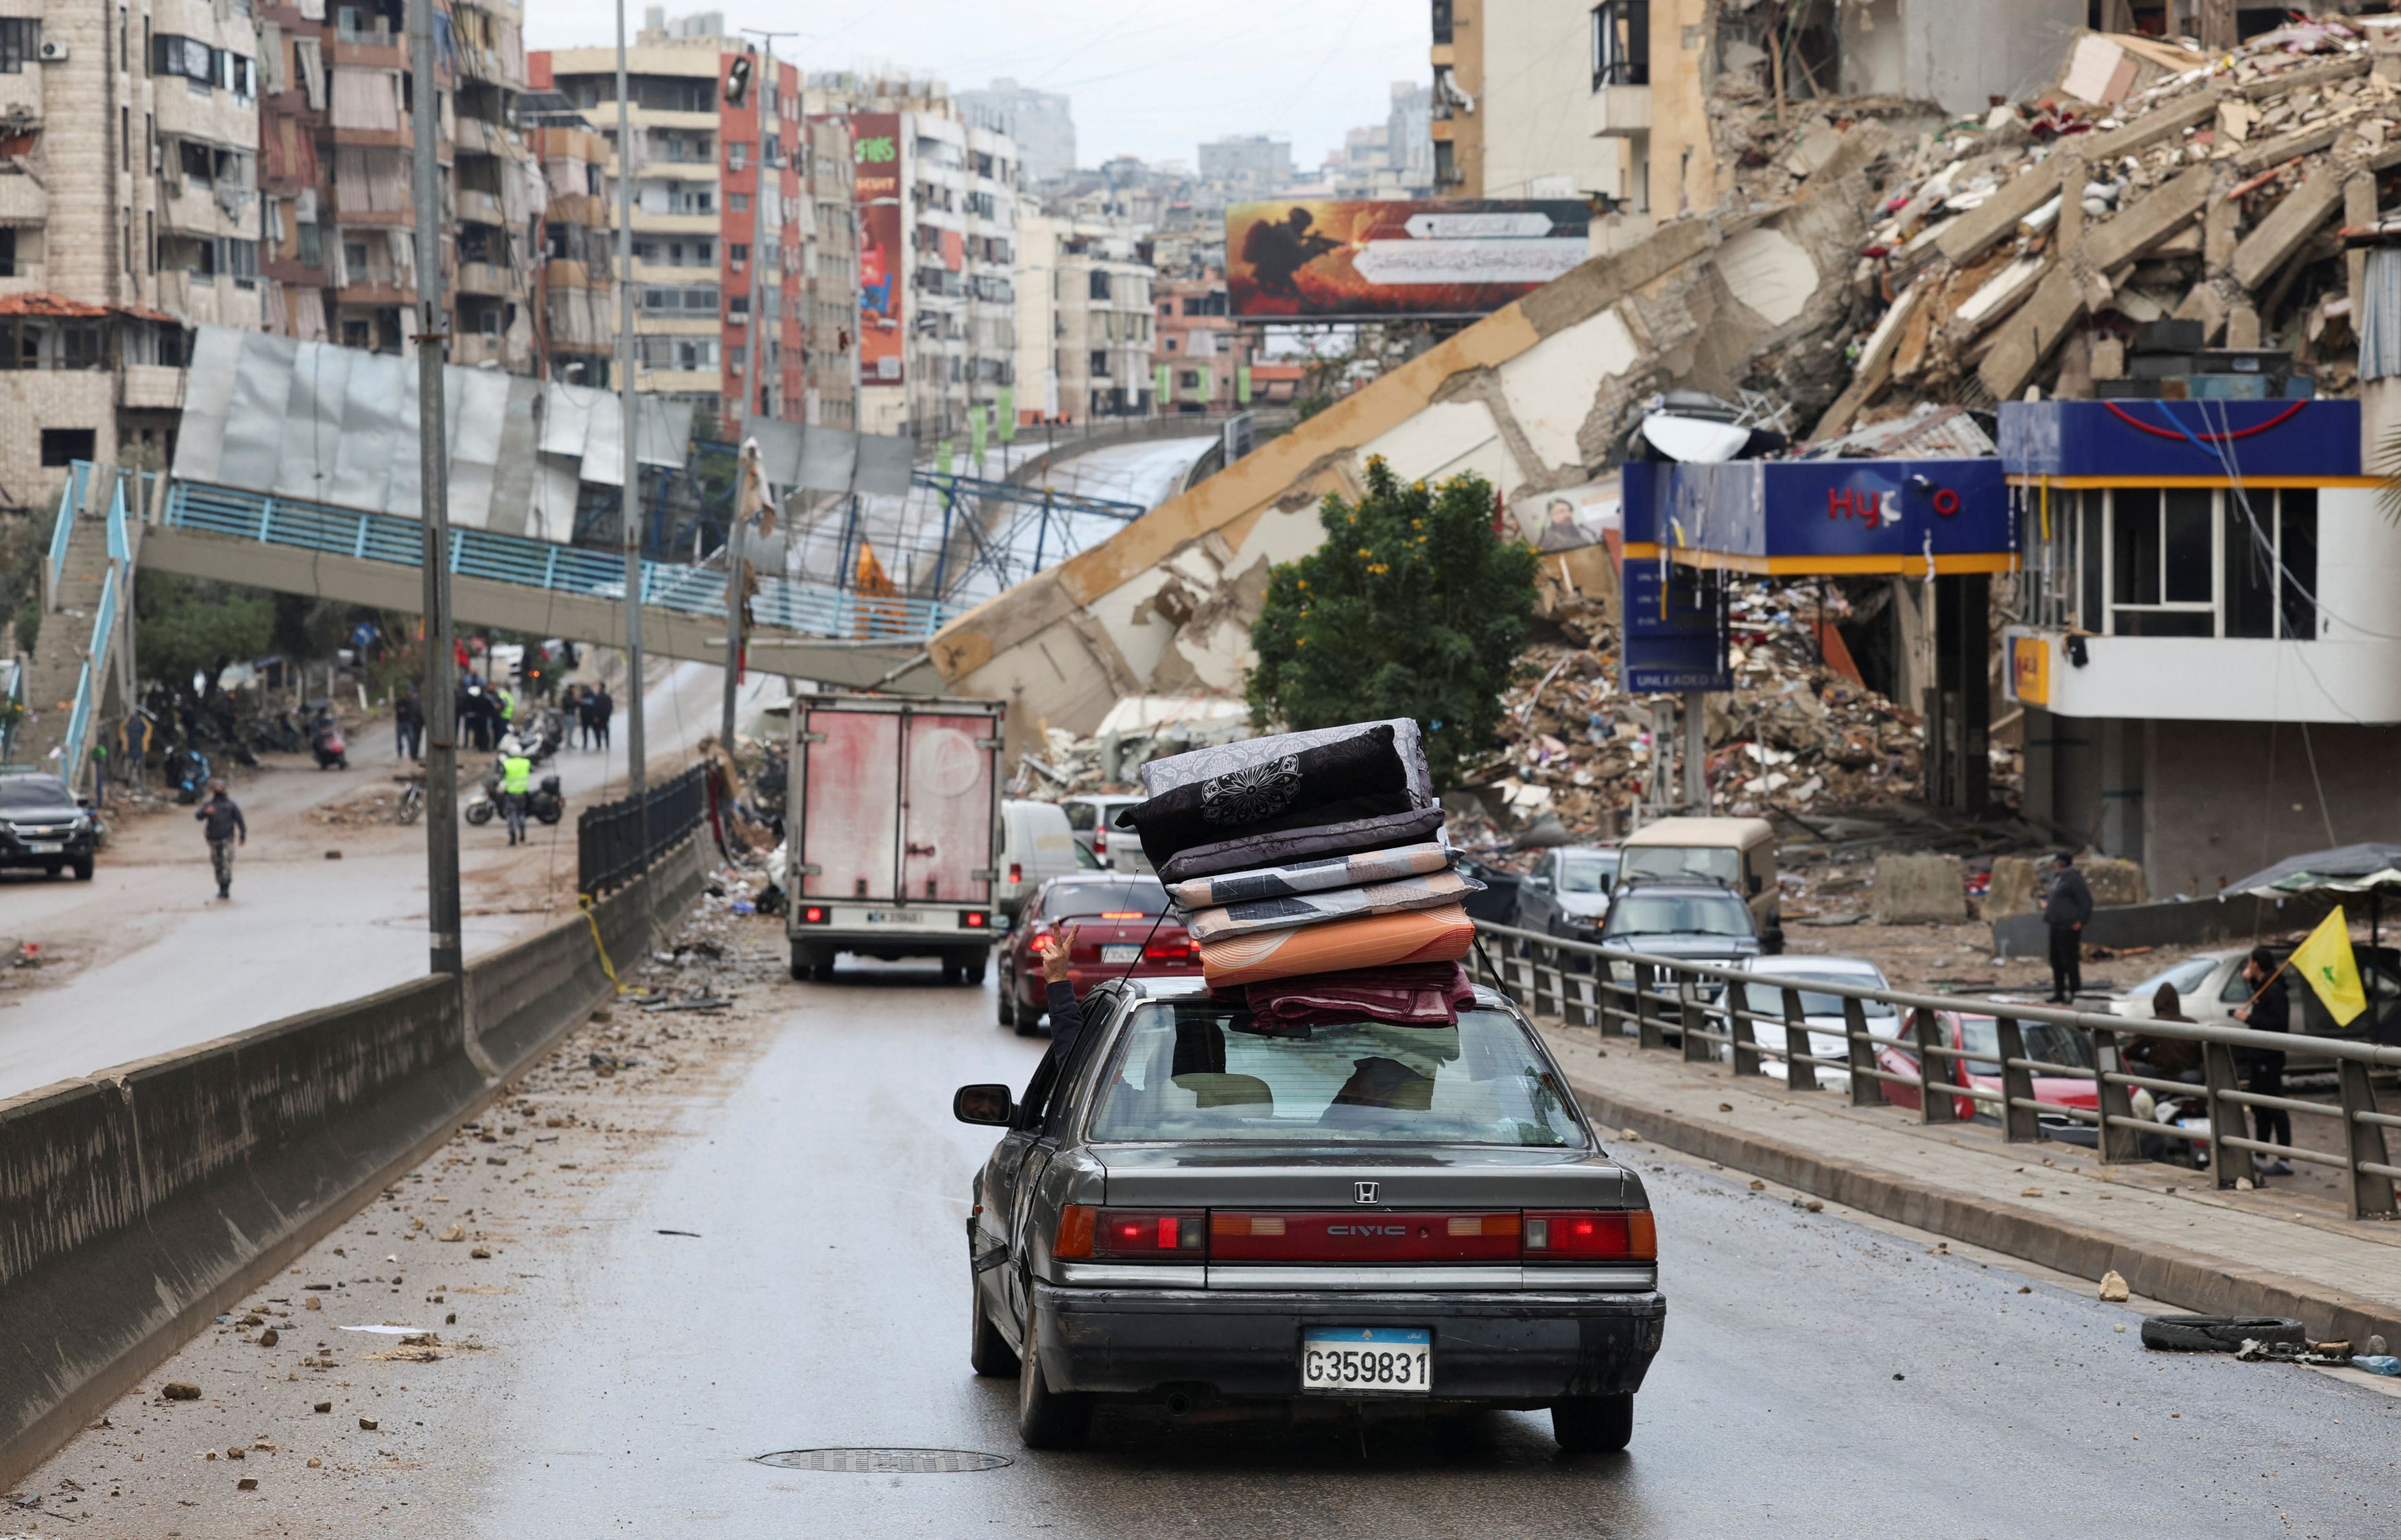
(629,503)
(445,953)
(736,604)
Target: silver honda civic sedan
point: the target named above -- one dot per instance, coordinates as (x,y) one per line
(1198,1211)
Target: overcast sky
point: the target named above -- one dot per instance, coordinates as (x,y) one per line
(1148,78)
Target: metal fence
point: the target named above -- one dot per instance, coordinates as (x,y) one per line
(616,840)
(1656,1000)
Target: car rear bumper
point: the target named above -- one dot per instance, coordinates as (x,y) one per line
(1529,1349)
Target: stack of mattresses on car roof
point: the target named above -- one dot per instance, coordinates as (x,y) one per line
(1313,871)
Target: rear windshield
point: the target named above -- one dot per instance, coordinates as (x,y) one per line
(1768,999)
(1586,874)
(1678,913)
(2046,1042)
(1198,1070)
(1077,900)
(1709,862)
(34,791)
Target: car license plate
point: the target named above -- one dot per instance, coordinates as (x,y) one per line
(1121,953)
(894,917)
(43,848)
(1388,1359)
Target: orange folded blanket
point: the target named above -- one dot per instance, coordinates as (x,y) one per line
(1370,940)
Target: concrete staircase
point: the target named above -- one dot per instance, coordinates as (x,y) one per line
(65,636)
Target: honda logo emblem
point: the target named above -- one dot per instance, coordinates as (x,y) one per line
(1365,1191)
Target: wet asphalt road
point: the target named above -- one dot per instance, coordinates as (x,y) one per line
(823,1304)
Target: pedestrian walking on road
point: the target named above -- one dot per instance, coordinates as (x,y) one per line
(408,717)
(2070,905)
(516,784)
(604,712)
(223,825)
(2269,1009)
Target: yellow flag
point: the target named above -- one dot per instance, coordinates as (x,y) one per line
(2326,961)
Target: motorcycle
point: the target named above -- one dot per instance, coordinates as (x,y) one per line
(546,803)
(188,772)
(326,742)
(484,803)
(412,798)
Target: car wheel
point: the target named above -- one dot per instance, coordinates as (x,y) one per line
(988,1351)
(83,870)
(1593,1424)
(821,971)
(1046,1418)
(1007,995)
(1024,1019)
(973,970)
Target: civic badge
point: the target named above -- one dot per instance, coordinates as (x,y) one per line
(1365,1190)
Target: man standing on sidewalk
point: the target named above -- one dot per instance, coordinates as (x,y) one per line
(223,824)
(2271,1009)
(2070,905)
(604,711)
(408,716)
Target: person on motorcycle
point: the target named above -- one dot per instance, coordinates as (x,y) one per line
(516,784)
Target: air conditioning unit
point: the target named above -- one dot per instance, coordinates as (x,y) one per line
(53,53)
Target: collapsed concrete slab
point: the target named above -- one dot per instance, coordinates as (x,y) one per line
(1530,399)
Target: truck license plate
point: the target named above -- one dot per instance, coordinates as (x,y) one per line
(1385,1359)
(894,917)
(1121,953)
(43,848)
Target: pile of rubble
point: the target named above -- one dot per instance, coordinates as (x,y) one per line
(1799,733)
(2040,245)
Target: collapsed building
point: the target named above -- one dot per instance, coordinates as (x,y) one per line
(2164,285)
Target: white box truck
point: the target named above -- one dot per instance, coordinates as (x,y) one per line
(893,819)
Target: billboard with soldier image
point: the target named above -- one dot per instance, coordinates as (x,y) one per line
(1324,258)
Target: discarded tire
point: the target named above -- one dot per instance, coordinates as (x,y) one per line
(2217,1333)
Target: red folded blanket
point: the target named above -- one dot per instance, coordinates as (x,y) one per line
(1371,940)
(1408,995)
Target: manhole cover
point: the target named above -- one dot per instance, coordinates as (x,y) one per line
(885,1461)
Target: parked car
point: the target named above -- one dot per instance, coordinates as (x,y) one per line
(1738,852)
(2046,1042)
(1195,1214)
(1689,921)
(1089,815)
(1567,893)
(1822,1013)
(1035,845)
(1122,929)
(2210,987)
(43,824)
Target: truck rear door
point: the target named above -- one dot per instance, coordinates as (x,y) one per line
(850,809)
(948,805)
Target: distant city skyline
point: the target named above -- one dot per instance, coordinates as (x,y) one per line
(1153,81)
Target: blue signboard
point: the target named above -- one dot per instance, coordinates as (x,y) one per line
(2144,441)
(1823,516)
(1675,630)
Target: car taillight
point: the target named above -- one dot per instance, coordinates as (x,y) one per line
(1131,1234)
(974,919)
(1121,915)
(1617,1235)
(1044,943)
(1101,841)
(815,914)
(1176,949)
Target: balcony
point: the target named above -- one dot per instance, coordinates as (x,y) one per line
(472,349)
(206,301)
(477,208)
(565,272)
(1620,110)
(151,387)
(23,201)
(375,290)
(488,278)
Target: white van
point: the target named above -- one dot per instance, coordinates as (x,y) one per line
(1035,845)
(1738,853)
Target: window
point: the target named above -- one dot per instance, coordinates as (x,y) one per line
(738,255)
(189,57)
(2147,561)
(1100,286)
(8,251)
(1621,43)
(1446,164)
(2162,563)
(1442,21)
(736,202)
(1202,1070)
(737,155)
(62,446)
(2296,548)
(20,42)
(1683,863)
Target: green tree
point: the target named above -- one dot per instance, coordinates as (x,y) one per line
(186,626)
(1413,607)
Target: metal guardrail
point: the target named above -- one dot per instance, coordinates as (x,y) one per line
(63,529)
(1619,992)
(91,681)
(780,603)
(615,840)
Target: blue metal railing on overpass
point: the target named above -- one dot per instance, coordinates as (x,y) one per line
(811,609)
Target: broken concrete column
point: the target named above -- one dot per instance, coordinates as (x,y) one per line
(1920,890)
(2287,225)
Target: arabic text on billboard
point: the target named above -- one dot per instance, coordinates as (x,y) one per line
(1402,258)
(875,142)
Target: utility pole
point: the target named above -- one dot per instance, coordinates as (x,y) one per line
(763,93)
(446,954)
(629,504)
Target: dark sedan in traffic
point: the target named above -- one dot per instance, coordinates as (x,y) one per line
(1195,1210)
(43,824)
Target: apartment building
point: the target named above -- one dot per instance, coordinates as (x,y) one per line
(576,296)
(936,201)
(719,217)
(1095,281)
(1042,123)
(830,394)
(128,206)
(1203,357)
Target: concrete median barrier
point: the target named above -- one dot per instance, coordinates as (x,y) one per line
(137,1205)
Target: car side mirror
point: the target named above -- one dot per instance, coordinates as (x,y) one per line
(1540,885)
(983,1104)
